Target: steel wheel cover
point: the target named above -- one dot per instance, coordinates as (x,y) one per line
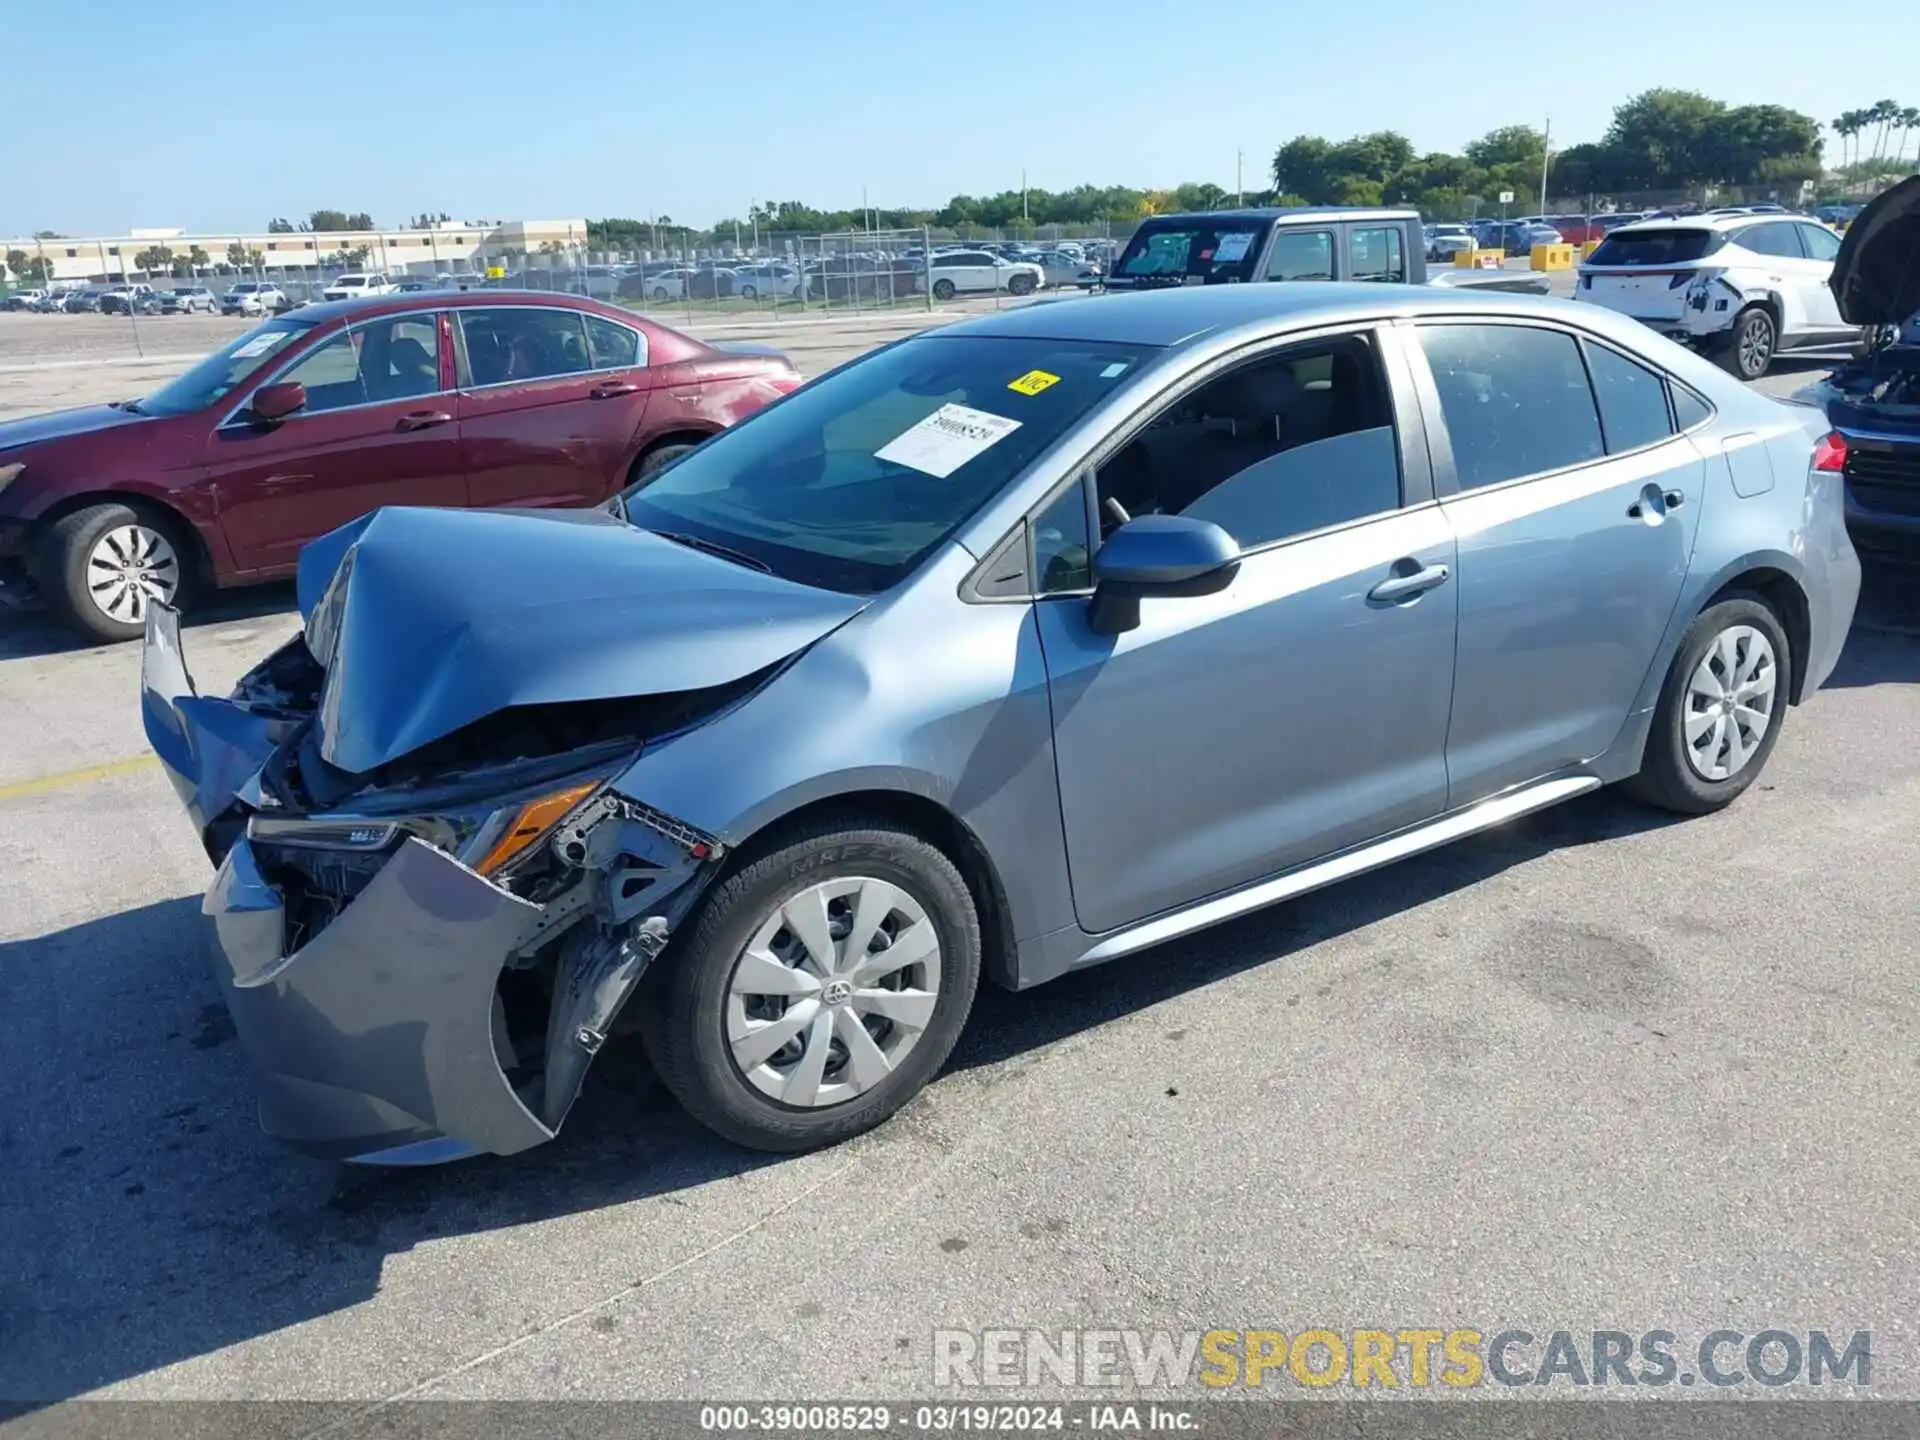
(1729,702)
(833,991)
(129,566)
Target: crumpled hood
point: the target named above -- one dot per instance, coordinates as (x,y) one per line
(1876,277)
(428,620)
(60,424)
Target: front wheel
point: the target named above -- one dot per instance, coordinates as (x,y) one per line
(820,989)
(102,567)
(943,290)
(1720,709)
(1749,350)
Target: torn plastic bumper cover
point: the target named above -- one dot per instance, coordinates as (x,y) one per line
(376,1026)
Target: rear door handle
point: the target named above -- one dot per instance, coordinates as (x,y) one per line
(1656,502)
(1405,587)
(612,388)
(423,419)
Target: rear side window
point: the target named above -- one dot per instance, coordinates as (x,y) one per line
(1820,242)
(515,344)
(1633,401)
(1515,400)
(1774,238)
(1376,255)
(611,346)
(1657,247)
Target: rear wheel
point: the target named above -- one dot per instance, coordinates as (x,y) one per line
(820,989)
(654,461)
(1720,709)
(102,567)
(1021,284)
(943,290)
(1750,348)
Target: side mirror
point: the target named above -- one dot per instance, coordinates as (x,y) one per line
(277,401)
(1158,555)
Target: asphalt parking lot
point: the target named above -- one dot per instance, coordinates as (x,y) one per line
(1600,1069)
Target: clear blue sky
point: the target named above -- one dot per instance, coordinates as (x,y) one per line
(216,116)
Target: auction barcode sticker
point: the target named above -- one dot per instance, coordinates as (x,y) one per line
(946,440)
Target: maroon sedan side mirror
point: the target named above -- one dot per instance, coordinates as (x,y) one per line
(276,402)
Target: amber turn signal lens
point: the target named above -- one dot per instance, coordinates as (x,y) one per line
(535,819)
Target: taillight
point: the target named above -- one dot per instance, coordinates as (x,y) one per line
(1830,453)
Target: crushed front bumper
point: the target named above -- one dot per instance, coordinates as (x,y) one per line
(375,1041)
(381,1036)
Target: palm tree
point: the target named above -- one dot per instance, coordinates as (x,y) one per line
(1882,114)
(1909,122)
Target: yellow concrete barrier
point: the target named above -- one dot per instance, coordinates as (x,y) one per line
(1479,259)
(1591,246)
(1552,257)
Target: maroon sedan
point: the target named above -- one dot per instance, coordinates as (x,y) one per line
(481,398)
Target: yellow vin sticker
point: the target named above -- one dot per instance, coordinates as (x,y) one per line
(1033,382)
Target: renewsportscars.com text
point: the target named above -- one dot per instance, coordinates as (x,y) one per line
(1413,1358)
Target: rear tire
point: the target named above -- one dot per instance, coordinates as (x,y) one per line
(1703,750)
(1020,284)
(81,554)
(943,290)
(1751,346)
(698,1013)
(654,461)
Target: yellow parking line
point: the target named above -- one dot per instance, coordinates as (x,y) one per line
(65,778)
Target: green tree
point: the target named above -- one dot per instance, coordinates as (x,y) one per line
(1520,145)
(238,256)
(279,225)
(322,221)
(154,259)
(30,269)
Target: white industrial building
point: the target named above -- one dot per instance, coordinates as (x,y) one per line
(450,246)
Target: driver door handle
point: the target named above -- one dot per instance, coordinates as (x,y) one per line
(612,388)
(423,419)
(1405,587)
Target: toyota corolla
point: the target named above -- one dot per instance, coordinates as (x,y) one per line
(1005,650)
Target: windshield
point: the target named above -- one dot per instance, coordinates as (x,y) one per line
(850,482)
(229,366)
(243,289)
(1203,249)
(1655,247)
(350,280)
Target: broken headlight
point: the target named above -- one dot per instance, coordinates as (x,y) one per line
(493,836)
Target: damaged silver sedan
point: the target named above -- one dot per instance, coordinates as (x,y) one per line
(1005,650)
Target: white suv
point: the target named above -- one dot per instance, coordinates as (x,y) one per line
(355,287)
(1740,287)
(249,298)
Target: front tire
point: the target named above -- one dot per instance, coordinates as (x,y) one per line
(1751,347)
(1720,710)
(819,989)
(103,566)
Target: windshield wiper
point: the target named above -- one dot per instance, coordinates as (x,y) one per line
(694,542)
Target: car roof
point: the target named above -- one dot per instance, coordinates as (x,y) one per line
(1185,314)
(1708,222)
(443,299)
(1266,213)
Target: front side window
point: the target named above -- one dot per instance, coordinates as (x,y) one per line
(1062,546)
(1633,400)
(1301,255)
(1820,243)
(1515,400)
(516,344)
(397,358)
(1284,445)
(849,483)
(1376,255)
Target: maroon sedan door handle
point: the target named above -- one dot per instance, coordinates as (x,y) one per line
(423,419)
(613,388)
